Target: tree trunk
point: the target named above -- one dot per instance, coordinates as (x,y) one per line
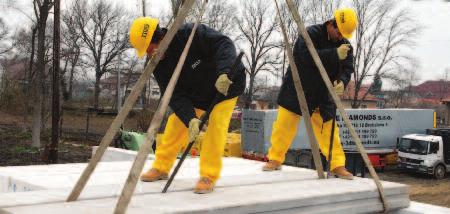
(72,70)
(70,92)
(248,101)
(356,103)
(29,74)
(39,77)
(97,89)
(29,77)
(63,82)
(53,148)
(63,88)
(144,97)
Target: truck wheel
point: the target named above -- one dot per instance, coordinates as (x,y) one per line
(439,172)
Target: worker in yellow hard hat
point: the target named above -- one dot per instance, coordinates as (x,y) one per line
(204,74)
(335,52)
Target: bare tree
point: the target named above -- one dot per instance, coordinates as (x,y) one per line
(41,10)
(23,48)
(71,52)
(10,4)
(383,33)
(175,5)
(257,31)
(4,48)
(103,30)
(403,80)
(319,11)
(218,15)
(278,70)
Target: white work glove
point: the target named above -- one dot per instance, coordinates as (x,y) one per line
(339,87)
(342,51)
(194,128)
(222,84)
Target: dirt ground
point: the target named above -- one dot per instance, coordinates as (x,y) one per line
(15,149)
(15,139)
(423,188)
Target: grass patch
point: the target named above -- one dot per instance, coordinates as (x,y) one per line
(25,149)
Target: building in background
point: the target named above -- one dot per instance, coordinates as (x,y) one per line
(365,97)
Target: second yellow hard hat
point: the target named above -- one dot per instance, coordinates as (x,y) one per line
(141,33)
(346,21)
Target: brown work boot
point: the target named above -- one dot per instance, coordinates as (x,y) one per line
(153,175)
(204,185)
(341,172)
(272,165)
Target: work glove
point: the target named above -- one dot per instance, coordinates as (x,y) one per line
(222,84)
(339,87)
(194,128)
(342,51)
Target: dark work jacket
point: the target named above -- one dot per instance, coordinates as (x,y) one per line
(316,93)
(210,55)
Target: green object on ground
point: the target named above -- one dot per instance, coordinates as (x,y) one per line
(134,140)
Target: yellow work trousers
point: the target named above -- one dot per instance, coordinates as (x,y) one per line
(175,137)
(285,129)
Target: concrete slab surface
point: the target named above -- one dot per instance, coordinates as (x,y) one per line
(41,177)
(311,195)
(243,188)
(417,207)
(117,154)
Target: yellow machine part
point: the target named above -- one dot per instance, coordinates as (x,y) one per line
(391,159)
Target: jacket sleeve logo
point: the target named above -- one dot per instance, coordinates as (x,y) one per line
(193,66)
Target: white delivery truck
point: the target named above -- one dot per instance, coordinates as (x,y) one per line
(426,153)
(378,129)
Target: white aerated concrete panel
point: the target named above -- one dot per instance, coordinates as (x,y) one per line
(243,188)
(416,208)
(309,196)
(116,154)
(39,177)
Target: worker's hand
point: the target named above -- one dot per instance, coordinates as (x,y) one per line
(194,128)
(339,87)
(342,51)
(223,83)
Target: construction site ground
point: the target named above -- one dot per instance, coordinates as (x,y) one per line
(15,149)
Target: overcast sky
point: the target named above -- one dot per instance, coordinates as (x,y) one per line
(433,46)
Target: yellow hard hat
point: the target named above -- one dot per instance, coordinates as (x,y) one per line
(141,33)
(346,21)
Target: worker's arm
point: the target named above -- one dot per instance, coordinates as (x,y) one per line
(303,58)
(179,102)
(347,68)
(220,47)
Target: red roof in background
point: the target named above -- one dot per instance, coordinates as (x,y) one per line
(349,92)
(433,89)
(428,101)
